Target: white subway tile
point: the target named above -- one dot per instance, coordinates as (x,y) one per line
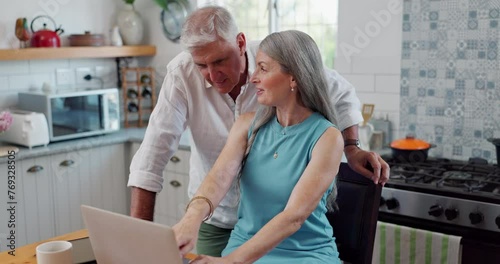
(362,82)
(383,101)
(14,67)
(387,83)
(376,65)
(29,82)
(342,65)
(4,83)
(47,66)
(76,63)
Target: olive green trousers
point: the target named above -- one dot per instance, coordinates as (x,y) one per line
(212,240)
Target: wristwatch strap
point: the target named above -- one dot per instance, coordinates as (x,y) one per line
(351,142)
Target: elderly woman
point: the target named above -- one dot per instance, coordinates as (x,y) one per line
(287,155)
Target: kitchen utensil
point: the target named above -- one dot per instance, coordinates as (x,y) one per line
(367,112)
(86,39)
(496,142)
(43,36)
(410,149)
(365,132)
(377,140)
(384,125)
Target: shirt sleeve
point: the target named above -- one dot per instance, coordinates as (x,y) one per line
(165,127)
(346,104)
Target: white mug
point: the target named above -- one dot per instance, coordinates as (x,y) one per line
(54,252)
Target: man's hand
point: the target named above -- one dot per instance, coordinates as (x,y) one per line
(361,161)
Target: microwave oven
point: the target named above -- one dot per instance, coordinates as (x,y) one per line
(76,114)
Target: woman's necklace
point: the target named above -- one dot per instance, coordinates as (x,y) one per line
(283,132)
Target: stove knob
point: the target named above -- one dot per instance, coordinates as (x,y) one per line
(476,218)
(497,221)
(382,202)
(451,213)
(436,210)
(392,203)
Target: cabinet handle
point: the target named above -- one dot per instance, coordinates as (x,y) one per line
(66,163)
(175,159)
(175,183)
(35,168)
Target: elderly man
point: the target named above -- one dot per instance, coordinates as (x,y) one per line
(206,88)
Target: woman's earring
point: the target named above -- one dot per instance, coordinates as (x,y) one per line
(293,89)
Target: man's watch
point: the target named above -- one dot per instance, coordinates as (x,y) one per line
(351,142)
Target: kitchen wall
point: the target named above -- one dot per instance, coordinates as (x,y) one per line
(431,65)
(450,78)
(369,53)
(75,17)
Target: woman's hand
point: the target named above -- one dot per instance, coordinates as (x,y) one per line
(186,234)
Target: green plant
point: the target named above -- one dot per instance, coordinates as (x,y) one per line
(164,3)
(130,2)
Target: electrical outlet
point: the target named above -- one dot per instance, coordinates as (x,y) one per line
(65,76)
(81,73)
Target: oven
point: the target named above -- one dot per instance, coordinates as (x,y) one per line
(459,198)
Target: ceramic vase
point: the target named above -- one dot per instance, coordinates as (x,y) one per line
(130,24)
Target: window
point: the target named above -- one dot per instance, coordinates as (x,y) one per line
(258,18)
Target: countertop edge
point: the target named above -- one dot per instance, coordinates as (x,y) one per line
(129,135)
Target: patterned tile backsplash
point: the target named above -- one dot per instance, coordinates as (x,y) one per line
(450,75)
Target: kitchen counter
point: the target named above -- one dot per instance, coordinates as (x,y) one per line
(27,254)
(121,136)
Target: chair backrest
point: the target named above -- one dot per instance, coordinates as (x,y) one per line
(355,222)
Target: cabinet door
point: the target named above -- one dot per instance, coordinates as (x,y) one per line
(37,198)
(6,201)
(70,189)
(94,177)
(34,208)
(115,185)
(172,200)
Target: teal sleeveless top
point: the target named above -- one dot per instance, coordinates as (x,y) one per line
(275,163)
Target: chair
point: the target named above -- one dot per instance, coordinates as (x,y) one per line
(355,222)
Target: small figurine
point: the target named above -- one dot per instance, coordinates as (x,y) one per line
(22,32)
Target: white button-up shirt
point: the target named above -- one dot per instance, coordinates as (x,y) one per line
(187,100)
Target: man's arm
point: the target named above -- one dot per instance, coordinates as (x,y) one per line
(167,122)
(347,113)
(142,204)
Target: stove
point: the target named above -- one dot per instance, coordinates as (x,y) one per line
(449,196)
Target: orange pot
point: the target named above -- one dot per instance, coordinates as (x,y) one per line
(410,149)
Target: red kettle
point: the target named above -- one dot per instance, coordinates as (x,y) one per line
(42,36)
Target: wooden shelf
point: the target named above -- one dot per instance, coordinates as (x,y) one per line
(76,52)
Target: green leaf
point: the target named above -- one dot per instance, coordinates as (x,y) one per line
(162,3)
(130,2)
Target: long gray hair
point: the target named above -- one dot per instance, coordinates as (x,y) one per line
(208,24)
(299,56)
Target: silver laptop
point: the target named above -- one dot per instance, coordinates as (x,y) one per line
(121,239)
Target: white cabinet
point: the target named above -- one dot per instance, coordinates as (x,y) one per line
(172,200)
(94,177)
(50,190)
(12,216)
(36,199)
